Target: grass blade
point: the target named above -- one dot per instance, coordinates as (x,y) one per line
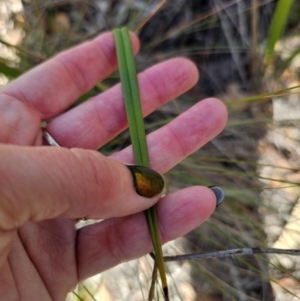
(277,26)
(8,71)
(137,133)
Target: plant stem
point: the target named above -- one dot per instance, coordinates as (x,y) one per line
(233,252)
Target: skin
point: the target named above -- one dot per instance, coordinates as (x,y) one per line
(44,189)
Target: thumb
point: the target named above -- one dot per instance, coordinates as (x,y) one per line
(39,183)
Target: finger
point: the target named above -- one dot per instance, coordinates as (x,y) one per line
(46,182)
(53,86)
(106,244)
(184,135)
(95,122)
(19,124)
(6,240)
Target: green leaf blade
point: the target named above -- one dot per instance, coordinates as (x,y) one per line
(137,133)
(277,26)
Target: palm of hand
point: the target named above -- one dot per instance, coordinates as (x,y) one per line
(41,252)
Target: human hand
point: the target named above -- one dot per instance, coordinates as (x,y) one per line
(45,189)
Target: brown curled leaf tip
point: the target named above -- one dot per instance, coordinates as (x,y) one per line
(147,182)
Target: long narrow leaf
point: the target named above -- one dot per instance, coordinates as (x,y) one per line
(137,133)
(277,26)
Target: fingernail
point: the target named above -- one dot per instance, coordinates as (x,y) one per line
(147,182)
(219,193)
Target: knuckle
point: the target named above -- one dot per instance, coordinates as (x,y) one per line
(13,213)
(96,174)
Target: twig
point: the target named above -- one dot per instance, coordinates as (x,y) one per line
(143,22)
(254,36)
(153,280)
(227,253)
(26,52)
